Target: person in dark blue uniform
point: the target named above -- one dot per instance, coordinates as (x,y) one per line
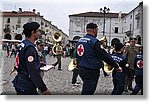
(28,78)
(138,64)
(89,59)
(119,77)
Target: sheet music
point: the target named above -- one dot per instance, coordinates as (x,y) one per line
(47,67)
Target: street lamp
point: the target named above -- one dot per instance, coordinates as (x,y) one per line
(104,11)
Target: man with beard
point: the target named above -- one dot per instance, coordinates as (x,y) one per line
(90,55)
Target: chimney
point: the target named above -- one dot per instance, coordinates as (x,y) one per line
(20,10)
(34,10)
(38,13)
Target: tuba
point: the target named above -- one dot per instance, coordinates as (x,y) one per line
(57,49)
(57,37)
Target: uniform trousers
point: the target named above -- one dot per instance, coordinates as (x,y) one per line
(90,79)
(74,76)
(58,61)
(118,82)
(26,92)
(139,83)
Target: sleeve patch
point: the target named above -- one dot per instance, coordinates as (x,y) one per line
(30,59)
(127,65)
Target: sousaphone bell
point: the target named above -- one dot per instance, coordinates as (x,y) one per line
(57,47)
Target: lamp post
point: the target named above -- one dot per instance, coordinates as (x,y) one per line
(104,11)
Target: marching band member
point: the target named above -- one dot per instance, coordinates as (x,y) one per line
(28,78)
(119,77)
(138,64)
(89,59)
(58,55)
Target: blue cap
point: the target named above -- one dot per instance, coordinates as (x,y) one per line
(31,26)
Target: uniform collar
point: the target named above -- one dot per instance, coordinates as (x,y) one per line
(91,35)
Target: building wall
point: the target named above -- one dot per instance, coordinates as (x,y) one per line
(44,24)
(125,25)
(77,27)
(133,22)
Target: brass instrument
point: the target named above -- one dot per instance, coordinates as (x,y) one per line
(57,49)
(107,67)
(104,44)
(57,37)
(72,65)
(104,41)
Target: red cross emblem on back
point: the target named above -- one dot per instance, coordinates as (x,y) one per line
(80,50)
(140,64)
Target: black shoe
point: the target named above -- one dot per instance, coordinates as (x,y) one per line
(60,69)
(53,65)
(75,84)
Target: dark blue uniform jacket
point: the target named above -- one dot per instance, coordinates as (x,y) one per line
(122,61)
(28,77)
(90,54)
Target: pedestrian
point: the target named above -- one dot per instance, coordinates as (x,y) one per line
(138,64)
(119,77)
(89,59)
(8,50)
(40,46)
(58,55)
(130,52)
(28,77)
(13,50)
(75,70)
(64,51)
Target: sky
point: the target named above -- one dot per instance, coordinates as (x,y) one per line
(58,11)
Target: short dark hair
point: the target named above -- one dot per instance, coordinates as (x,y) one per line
(29,27)
(131,38)
(39,42)
(91,26)
(118,46)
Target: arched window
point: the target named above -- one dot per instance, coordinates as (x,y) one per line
(7,36)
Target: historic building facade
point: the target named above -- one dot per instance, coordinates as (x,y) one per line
(118,26)
(13,21)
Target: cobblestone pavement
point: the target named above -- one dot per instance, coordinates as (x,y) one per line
(59,82)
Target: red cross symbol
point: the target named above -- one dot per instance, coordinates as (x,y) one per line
(80,50)
(17,60)
(140,64)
